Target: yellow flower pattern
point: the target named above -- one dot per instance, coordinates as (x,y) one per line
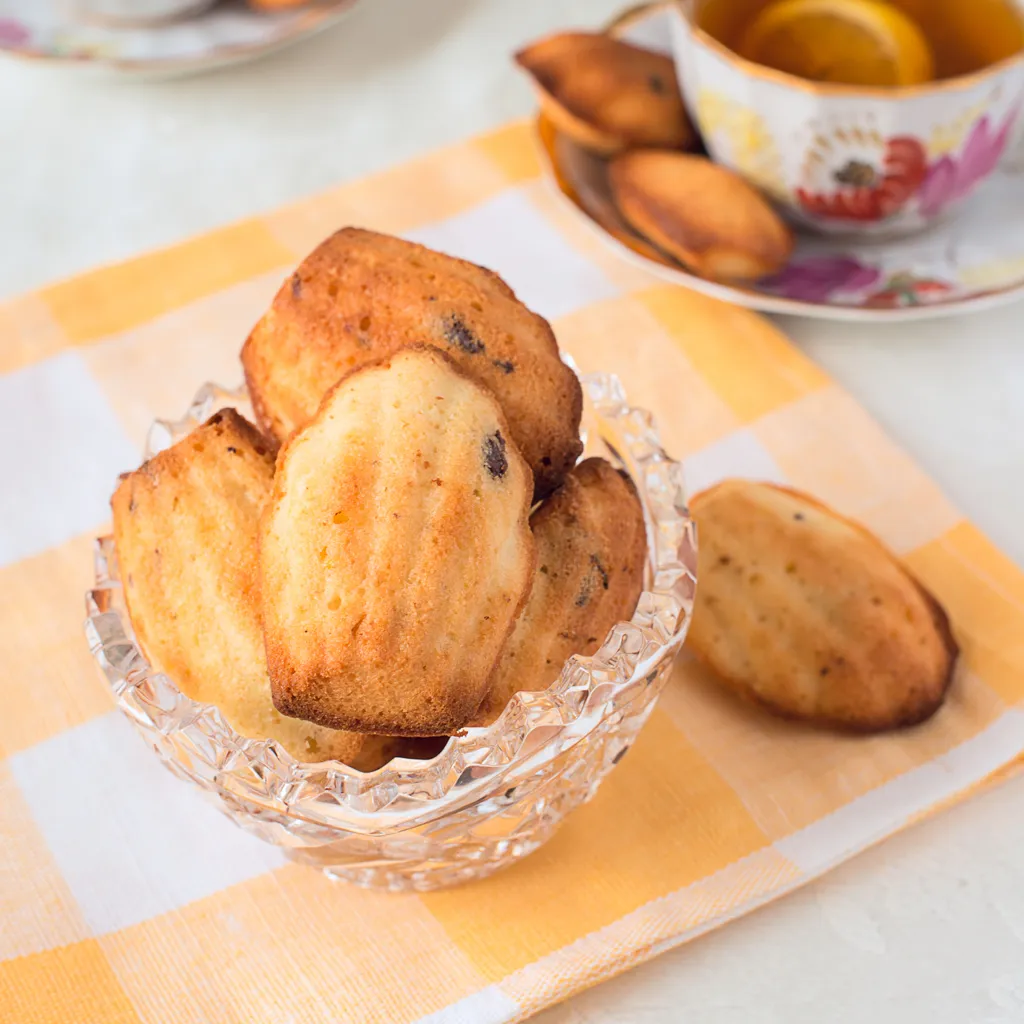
(948,138)
(73,45)
(742,133)
(993,275)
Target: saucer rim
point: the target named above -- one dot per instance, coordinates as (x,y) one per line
(308,23)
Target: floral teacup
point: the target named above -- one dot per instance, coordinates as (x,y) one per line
(844,158)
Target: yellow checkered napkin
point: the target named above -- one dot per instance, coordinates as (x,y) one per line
(125,898)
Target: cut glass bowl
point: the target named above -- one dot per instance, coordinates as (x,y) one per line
(492,795)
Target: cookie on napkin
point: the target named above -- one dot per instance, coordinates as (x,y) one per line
(807,614)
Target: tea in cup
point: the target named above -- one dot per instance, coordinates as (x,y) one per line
(858,116)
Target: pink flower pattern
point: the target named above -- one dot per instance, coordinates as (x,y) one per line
(845,280)
(12,34)
(818,279)
(950,179)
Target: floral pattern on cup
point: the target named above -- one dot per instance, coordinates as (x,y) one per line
(950,179)
(856,175)
(859,176)
(743,140)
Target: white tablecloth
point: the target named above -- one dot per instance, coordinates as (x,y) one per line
(926,929)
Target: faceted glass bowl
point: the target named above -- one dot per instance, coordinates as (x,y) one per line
(493,794)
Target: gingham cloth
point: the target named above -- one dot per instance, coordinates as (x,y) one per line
(124,897)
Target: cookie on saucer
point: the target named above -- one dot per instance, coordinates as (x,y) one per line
(705,216)
(607,95)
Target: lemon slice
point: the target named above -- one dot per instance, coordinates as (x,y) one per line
(859,42)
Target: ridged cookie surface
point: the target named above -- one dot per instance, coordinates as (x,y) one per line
(186,530)
(591,551)
(396,551)
(360,296)
(704,215)
(606,94)
(807,613)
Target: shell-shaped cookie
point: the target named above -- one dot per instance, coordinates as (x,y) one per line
(360,296)
(807,614)
(608,95)
(186,527)
(396,551)
(704,215)
(591,551)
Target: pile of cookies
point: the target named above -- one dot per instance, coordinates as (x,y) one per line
(621,103)
(404,539)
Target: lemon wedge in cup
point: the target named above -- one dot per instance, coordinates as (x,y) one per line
(859,42)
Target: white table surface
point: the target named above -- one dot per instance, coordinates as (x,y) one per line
(928,927)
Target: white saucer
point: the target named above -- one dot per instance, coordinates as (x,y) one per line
(228,33)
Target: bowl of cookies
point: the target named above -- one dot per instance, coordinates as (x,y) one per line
(400,602)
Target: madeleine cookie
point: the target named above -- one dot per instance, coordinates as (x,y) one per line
(186,530)
(807,614)
(360,296)
(396,551)
(607,95)
(703,215)
(591,551)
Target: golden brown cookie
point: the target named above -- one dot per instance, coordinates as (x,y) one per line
(186,530)
(703,215)
(606,94)
(361,296)
(807,614)
(591,552)
(396,551)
